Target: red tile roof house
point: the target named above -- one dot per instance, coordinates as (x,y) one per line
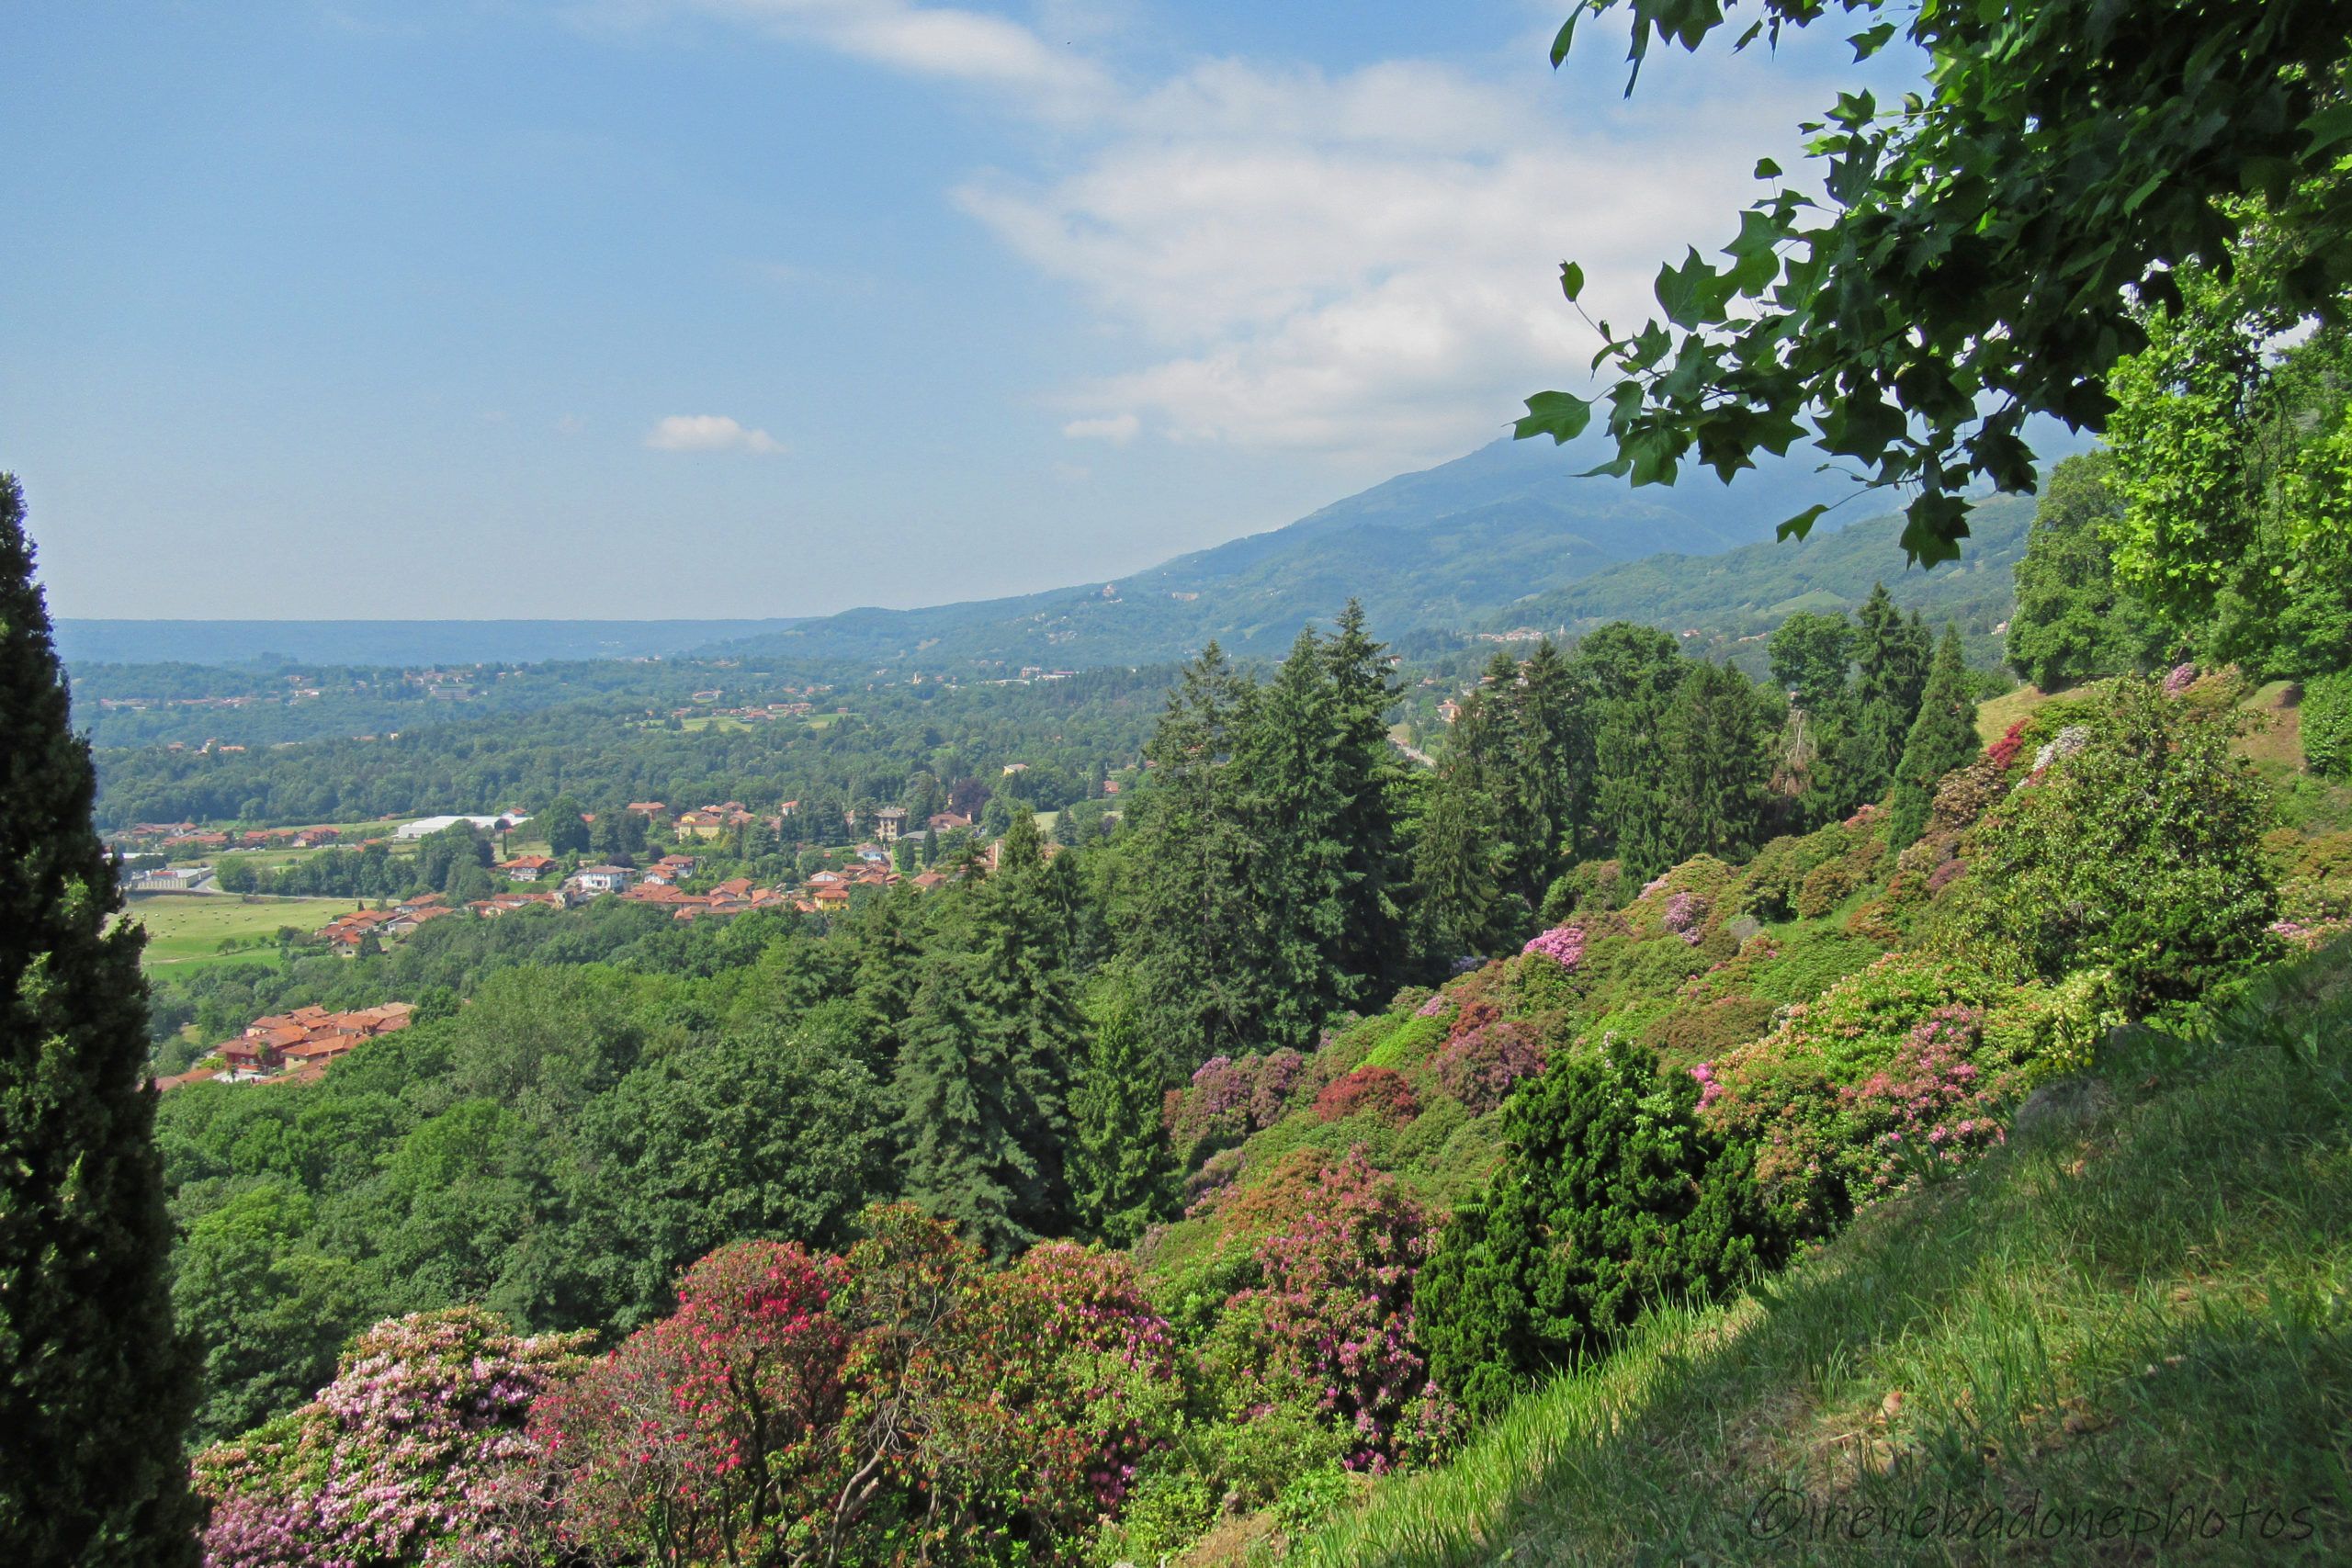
(527,868)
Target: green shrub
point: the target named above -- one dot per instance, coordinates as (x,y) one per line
(1809,963)
(1825,886)
(2136,851)
(1611,1196)
(1311,1498)
(1164,1514)
(2327,725)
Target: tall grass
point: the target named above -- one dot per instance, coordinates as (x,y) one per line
(2126,1337)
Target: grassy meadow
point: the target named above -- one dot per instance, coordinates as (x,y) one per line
(188,928)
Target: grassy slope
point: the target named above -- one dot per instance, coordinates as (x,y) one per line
(2148,1308)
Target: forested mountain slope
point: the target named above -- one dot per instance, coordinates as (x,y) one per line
(1439,548)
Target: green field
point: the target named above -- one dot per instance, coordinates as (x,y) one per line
(188,928)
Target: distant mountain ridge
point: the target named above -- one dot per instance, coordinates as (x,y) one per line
(1445,547)
(1512,534)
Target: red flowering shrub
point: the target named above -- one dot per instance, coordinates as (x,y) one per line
(1381,1091)
(1479,1068)
(709,1435)
(1335,1312)
(2004,751)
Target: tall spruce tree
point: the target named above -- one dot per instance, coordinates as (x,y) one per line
(95,1382)
(1942,737)
(1119,1157)
(1298,862)
(1634,672)
(1890,658)
(1023,997)
(1553,771)
(965,1159)
(1365,778)
(1716,738)
(1191,931)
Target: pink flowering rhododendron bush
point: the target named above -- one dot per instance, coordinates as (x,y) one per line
(398,1461)
(1331,1318)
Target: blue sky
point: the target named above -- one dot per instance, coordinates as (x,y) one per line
(665,308)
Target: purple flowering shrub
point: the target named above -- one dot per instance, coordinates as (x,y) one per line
(1335,1312)
(1481,1067)
(1686,914)
(1229,1100)
(1562,946)
(398,1459)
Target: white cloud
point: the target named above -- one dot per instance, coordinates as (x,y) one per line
(1362,263)
(932,41)
(1117,429)
(708,433)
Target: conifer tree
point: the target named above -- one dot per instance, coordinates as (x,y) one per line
(964,1159)
(1553,772)
(1942,737)
(1119,1155)
(1022,992)
(1891,658)
(1715,739)
(1633,671)
(95,1382)
(1459,857)
(1371,950)
(1298,863)
(1191,931)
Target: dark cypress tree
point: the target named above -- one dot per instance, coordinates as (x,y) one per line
(1367,778)
(1119,1158)
(1942,737)
(96,1383)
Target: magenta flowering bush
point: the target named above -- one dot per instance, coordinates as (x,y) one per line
(1438,1006)
(1930,1111)
(1562,946)
(2179,679)
(1336,1310)
(1479,1068)
(400,1461)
